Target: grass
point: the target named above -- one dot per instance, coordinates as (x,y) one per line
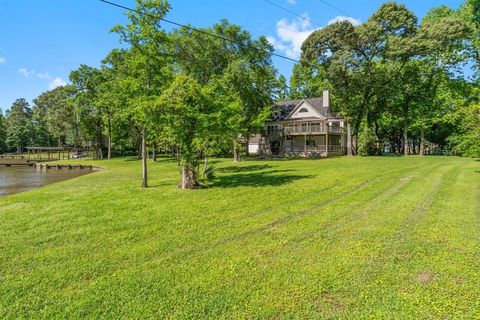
(349,238)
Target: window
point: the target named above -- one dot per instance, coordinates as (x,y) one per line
(303,110)
(335,140)
(335,126)
(271,129)
(310,143)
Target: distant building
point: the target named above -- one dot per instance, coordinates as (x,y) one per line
(304,128)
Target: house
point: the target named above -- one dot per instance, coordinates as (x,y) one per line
(304,128)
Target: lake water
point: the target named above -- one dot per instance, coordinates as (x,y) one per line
(23,178)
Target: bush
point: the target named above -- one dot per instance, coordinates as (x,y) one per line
(367,142)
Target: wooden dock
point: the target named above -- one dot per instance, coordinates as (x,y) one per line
(39,165)
(8,162)
(63,166)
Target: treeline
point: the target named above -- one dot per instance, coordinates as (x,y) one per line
(398,82)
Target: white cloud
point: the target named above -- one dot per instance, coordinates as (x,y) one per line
(292,2)
(26,73)
(44,75)
(32,73)
(53,82)
(57,82)
(353,21)
(291,35)
(2,60)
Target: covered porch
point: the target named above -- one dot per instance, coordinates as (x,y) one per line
(321,145)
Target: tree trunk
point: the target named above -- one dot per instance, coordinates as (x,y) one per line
(144,162)
(109,153)
(422,144)
(406,99)
(154,152)
(349,139)
(189,179)
(183,183)
(248,139)
(236,154)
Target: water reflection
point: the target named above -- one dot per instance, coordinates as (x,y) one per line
(23,178)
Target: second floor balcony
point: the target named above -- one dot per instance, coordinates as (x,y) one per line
(311,129)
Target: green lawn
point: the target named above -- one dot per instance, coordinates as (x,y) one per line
(349,238)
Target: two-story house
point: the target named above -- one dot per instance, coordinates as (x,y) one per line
(304,128)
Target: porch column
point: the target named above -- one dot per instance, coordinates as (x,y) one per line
(305,144)
(349,139)
(326,142)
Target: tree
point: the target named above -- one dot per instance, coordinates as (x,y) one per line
(42,137)
(346,57)
(386,69)
(3,134)
(86,81)
(241,64)
(283,91)
(188,108)
(307,81)
(147,66)
(19,125)
(54,117)
(466,141)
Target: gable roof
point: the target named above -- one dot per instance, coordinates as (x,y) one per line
(304,105)
(286,108)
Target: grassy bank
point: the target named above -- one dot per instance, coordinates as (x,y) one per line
(336,238)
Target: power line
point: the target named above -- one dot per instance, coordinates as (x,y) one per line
(191,28)
(294,13)
(335,8)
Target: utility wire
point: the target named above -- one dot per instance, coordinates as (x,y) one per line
(294,13)
(335,8)
(192,28)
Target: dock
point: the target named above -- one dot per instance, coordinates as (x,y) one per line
(9,162)
(39,165)
(63,166)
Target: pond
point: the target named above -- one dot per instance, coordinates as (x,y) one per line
(23,178)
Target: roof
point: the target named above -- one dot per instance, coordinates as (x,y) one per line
(286,107)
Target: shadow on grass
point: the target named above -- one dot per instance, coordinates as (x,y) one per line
(233,169)
(159,159)
(258,179)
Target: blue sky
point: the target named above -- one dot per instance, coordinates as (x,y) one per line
(42,41)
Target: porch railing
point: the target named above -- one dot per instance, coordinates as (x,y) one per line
(320,148)
(311,129)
